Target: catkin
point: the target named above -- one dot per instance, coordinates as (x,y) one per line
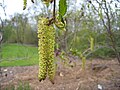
(91,43)
(47,2)
(46,35)
(24,4)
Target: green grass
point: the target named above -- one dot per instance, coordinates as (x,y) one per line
(18,55)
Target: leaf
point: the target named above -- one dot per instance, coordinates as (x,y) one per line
(62,8)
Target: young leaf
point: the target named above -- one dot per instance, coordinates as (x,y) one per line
(62,8)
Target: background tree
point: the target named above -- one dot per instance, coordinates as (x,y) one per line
(106,14)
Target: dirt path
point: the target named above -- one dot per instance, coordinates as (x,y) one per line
(103,74)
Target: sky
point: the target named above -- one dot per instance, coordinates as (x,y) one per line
(12,6)
(15,6)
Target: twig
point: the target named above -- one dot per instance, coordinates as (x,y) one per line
(54,17)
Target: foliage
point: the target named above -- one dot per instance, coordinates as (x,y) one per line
(105,10)
(81,28)
(62,9)
(80,23)
(19,30)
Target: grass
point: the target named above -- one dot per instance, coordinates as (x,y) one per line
(18,55)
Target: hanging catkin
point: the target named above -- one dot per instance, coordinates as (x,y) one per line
(46,35)
(24,4)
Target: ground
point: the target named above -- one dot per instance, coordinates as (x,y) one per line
(103,74)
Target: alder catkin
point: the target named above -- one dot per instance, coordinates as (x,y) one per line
(51,61)
(46,35)
(24,4)
(91,43)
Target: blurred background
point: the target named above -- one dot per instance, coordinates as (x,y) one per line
(98,20)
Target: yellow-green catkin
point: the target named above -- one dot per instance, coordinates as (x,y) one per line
(91,43)
(83,61)
(47,2)
(46,35)
(24,4)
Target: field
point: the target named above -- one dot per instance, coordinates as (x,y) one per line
(103,73)
(18,55)
(24,75)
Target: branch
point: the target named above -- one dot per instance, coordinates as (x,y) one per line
(52,20)
(54,10)
(108,28)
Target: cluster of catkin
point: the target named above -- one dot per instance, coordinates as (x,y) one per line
(46,36)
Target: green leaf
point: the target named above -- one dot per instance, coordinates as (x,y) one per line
(62,8)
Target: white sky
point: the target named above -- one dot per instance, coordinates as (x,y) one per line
(16,6)
(12,6)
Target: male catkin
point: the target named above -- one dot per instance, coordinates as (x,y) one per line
(46,35)
(24,4)
(91,43)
